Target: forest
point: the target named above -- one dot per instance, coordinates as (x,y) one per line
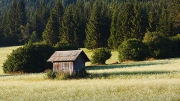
(86,23)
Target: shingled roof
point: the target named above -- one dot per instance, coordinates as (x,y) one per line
(60,56)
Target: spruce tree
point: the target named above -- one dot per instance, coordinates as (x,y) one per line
(127,25)
(21,12)
(67,34)
(98,26)
(40,20)
(164,25)
(92,29)
(11,30)
(79,23)
(51,32)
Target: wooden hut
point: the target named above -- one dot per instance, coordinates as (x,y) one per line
(68,61)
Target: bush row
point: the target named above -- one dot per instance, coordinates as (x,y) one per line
(154,45)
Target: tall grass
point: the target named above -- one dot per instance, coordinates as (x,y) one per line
(157,80)
(136,89)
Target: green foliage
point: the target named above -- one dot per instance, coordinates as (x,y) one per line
(65,46)
(98,27)
(51,32)
(176,48)
(30,58)
(50,35)
(67,31)
(100,56)
(62,75)
(133,49)
(50,74)
(160,46)
(33,38)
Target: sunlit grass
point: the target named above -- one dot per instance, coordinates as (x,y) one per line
(135,89)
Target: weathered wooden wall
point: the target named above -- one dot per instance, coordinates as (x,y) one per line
(63,67)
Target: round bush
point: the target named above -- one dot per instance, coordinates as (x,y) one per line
(159,45)
(100,56)
(30,58)
(133,49)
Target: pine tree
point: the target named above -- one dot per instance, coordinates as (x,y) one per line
(136,21)
(116,35)
(40,20)
(98,27)
(21,12)
(152,20)
(11,30)
(79,23)
(164,24)
(92,29)
(51,32)
(67,34)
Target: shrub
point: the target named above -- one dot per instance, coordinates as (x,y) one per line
(100,56)
(62,75)
(65,75)
(133,49)
(176,48)
(159,45)
(50,74)
(30,58)
(65,46)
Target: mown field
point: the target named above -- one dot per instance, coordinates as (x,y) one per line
(156,80)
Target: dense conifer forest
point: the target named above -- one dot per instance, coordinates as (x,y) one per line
(86,23)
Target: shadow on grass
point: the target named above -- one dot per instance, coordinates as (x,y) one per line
(14,75)
(128,65)
(118,74)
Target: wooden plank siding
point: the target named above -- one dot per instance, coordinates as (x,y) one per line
(63,67)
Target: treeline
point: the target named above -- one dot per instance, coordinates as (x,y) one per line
(87,23)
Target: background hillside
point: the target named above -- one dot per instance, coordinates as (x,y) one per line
(31,4)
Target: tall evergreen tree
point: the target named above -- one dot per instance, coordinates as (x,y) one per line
(21,12)
(137,31)
(51,32)
(98,27)
(116,36)
(50,35)
(11,30)
(152,22)
(164,25)
(67,34)
(92,29)
(40,20)
(127,25)
(79,23)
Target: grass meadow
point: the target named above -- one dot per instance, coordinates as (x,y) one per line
(155,80)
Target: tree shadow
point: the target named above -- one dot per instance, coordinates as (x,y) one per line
(117,74)
(127,65)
